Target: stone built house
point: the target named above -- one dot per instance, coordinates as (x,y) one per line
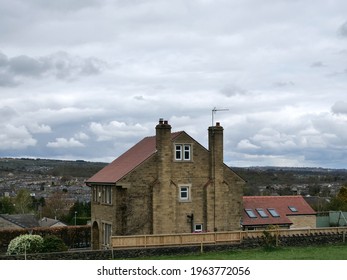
(167,183)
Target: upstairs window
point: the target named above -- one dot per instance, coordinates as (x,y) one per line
(106,195)
(184,193)
(262,213)
(198,228)
(183,152)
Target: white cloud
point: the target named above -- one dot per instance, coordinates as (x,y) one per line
(12,137)
(65,143)
(106,71)
(116,130)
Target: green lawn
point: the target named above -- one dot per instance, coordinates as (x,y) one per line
(332,252)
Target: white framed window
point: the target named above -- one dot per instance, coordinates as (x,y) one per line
(184,193)
(106,234)
(198,228)
(183,152)
(178,152)
(106,194)
(95,193)
(186,155)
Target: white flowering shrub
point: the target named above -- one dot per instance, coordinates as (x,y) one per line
(26,243)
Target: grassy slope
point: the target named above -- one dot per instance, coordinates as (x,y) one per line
(333,252)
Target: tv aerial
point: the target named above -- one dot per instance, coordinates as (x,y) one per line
(215,110)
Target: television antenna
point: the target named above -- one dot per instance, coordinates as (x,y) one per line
(215,110)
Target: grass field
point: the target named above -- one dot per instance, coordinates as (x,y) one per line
(332,252)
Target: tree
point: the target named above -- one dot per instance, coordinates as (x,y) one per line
(56,206)
(82,210)
(23,202)
(339,203)
(6,206)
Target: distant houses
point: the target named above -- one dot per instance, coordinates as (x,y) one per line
(27,221)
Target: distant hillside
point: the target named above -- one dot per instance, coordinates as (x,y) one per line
(76,168)
(255,176)
(290,176)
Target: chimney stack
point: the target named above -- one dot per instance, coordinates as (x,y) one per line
(215,143)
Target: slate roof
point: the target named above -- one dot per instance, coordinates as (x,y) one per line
(281,204)
(48,222)
(22,220)
(128,161)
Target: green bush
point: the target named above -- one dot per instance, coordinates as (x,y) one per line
(26,243)
(52,243)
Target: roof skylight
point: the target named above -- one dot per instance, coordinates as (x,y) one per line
(273,212)
(262,213)
(250,213)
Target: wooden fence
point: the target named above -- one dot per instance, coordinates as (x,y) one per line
(158,240)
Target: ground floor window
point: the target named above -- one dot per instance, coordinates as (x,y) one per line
(106,236)
(198,228)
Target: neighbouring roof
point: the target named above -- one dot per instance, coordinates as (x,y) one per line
(22,220)
(273,210)
(128,161)
(48,222)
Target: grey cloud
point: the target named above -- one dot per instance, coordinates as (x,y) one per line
(318,64)
(26,66)
(340,107)
(232,90)
(7,113)
(60,65)
(284,84)
(66,5)
(343,29)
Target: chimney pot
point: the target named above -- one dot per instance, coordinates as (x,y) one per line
(161,120)
(165,122)
(218,124)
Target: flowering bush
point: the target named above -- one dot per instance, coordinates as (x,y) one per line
(26,243)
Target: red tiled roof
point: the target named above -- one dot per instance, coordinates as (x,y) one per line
(279,203)
(128,161)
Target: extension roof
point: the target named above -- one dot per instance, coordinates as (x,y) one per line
(282,206)
(128,161)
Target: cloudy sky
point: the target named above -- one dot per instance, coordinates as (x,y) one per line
(87,79)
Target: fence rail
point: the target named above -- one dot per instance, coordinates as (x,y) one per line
(158,240)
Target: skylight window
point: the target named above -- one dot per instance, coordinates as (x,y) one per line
(273,212)
(262,213)
(293,208)
(250,213)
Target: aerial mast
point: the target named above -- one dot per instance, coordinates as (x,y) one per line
(215,110)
